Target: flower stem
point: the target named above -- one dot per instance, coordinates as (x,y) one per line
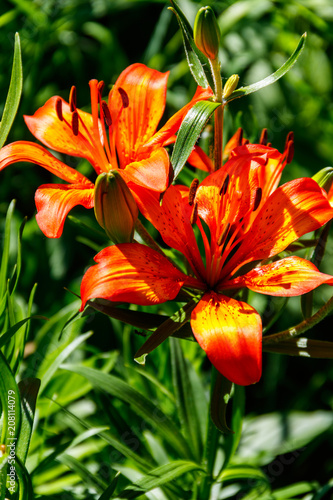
(218,114)
(301,327)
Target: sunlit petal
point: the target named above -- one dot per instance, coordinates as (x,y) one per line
(151,173)
(136,123)
(54,201)
(229,332)
(33,153)
(58,134)
(134,273)
(294,209)
(286,277)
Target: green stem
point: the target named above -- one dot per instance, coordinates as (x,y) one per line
(301,327)
(218,114)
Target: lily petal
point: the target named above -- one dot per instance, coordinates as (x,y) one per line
(229,332)
(292,210)
(58,134)
(34,153)
(172,125)
(136,123)
(131,272)
(284,278)
(151,173)
(199,159)
(54,201)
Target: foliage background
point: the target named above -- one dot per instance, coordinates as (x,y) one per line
(68,42)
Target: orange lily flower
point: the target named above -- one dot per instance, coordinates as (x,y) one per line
(135,106)
(249,221)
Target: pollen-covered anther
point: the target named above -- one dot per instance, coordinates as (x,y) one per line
(194,213)
(106,113)
(225,184)
(192,192)
(257,199)
(58,107)
(124,97)
(72,99)
(263,137)
(75,122)
(223,234)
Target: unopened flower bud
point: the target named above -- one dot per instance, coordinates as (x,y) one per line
(115,208)
(324,178)
(207,32)
(230,86)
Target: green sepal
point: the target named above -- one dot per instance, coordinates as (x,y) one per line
(273,77)
(188,134)
(14,93)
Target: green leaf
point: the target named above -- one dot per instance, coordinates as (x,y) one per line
(295,490)
(302,346)
(185,398)
(5,251)
(5,337)
(219,400)
(236,472)
(61,358)
(189,132)
(140,404)
(240,92)
(196,60)
(168,327)
(24,481)
(231,441)
(107,495)
(28,388)
(158,477)
(14,93)
(77,466)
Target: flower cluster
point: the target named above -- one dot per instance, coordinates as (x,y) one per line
(231,228)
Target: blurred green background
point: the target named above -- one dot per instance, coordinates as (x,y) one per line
(68,42)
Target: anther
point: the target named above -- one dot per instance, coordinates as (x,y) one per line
(257,199)
(72,98)
(193,189)
(224,233)
(75,122)
(269,144)
(246,141)
(124,97)
(58,107)
(263,137)
(100,87)
(290,137)
(290,151)
(106,113)
(224,187)
(194,213)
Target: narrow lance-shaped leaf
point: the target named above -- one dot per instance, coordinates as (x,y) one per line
(273,77)
(219,400)
(189,132)
(28,388)
(14,93)
(302,347)
(158,477)
(184,391)
(167,328)
(197,61)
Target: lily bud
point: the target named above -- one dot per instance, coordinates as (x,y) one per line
(230,86)
(207,32)
(115,208)
(324,178)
